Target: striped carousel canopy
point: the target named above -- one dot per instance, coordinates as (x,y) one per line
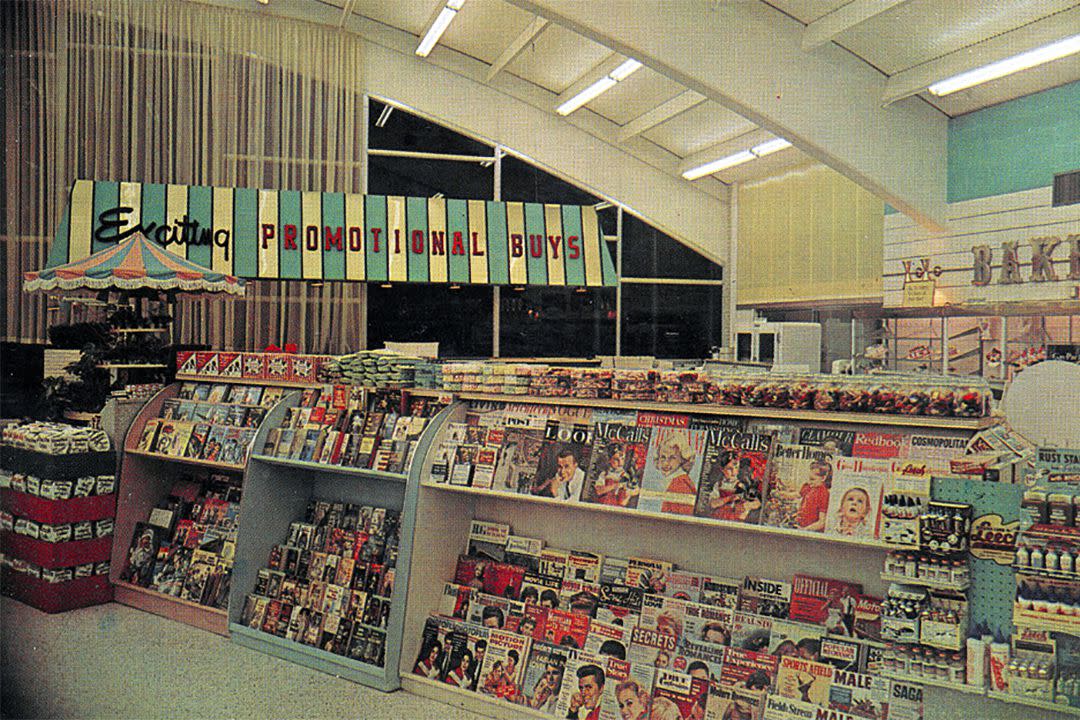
(133,264)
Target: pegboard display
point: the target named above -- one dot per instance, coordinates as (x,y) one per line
(996,518)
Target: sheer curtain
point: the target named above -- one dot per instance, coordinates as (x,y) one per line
(184,93)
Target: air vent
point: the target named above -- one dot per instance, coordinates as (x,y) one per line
(1066,188)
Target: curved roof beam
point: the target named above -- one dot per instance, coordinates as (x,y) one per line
(845,17)
(749,58)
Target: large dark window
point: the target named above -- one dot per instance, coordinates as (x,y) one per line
(649,253)
(417,177)
(665,320)
(459,320)
(557,322)
(405,131)
(671,321)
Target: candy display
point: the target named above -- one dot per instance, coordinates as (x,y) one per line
(54,438)
(371,368)
(898,395)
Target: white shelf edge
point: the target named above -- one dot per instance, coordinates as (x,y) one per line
(924,583)
(671,517)
(1017,700)
(969,689)
(324,467)
(472,701)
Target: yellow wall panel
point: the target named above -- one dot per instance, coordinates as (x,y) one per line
(808,235)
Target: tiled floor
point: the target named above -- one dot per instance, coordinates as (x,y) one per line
(115,662)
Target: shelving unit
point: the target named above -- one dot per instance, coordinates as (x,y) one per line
(276,493)
(444,513)
(145,480)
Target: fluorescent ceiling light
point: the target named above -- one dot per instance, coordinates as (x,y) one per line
(715,166)
(384,116)
(1008,66)
(623,71)
(442,21)
(767,148)
(600,86)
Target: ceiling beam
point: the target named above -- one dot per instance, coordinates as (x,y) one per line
(664,111)
(514,49)
(1041,32)
(845,17)
(748,57)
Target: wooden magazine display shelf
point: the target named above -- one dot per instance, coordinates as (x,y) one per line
(145,481)
(444,513)
(277,492)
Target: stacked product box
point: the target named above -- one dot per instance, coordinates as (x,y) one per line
(58,498)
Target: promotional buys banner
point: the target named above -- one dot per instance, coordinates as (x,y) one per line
(294,235)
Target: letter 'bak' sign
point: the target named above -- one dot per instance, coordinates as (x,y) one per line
(294,235)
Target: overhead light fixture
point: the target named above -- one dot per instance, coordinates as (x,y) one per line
(384,116)
(438,27)
(455,286)
(623,71)
(628,68)
(1008,66)
(767,148)
(386,285)
(714,166)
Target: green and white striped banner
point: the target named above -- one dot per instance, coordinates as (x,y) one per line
(294,235)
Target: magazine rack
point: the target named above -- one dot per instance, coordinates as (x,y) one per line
(276,493)
(145,480)
(444,513)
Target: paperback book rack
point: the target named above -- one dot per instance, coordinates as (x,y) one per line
(150,473)
(277,494)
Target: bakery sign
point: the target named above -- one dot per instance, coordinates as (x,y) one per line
(295,235)
(1014,248)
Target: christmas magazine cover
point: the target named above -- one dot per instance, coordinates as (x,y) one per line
(734,476)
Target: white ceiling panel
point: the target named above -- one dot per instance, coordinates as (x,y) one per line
(1023,83)
(556,58)
(408,16)
(483,29)
(807,11)
(635,96)
(920,30)
(698,128)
